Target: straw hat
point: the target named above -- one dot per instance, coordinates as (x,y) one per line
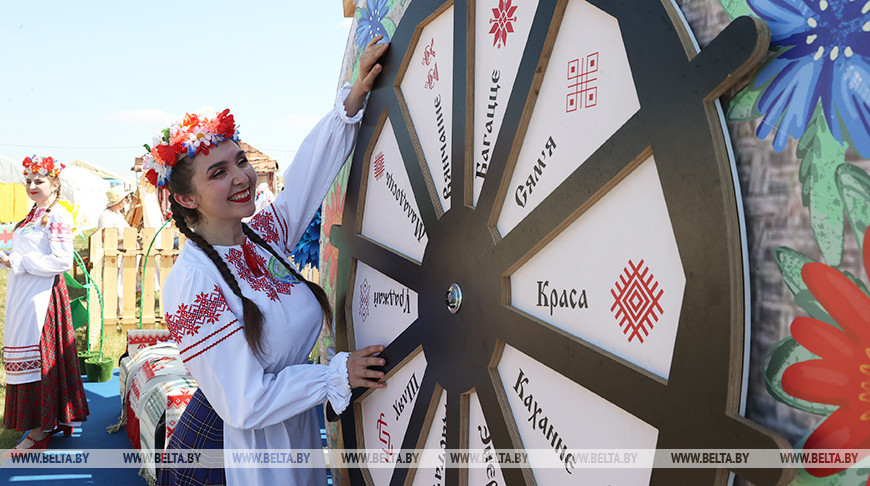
(116,194)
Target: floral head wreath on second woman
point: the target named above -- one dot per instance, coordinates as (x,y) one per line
(195,134)
(42,166)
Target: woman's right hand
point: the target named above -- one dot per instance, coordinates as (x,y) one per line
(369,69)
(4,260)
(358,363)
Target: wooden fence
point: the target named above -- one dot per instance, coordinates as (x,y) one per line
(115,261)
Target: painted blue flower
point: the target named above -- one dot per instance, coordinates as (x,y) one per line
(827,58)
(307,251)
(369,24)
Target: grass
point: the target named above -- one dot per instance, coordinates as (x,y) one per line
(114,345)
(8,438)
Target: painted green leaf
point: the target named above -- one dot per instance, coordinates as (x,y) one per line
(389,26)
(782,355)
(806,301)
(735,8)
(820,155)
(857,281)
(790,263)
(854,186)
(744,105)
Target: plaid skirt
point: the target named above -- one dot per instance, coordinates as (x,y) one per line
(199,428)
(59,397)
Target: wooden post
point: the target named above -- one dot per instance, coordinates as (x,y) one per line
(129,259)
(147,276)
(167,258)
(109,280)
(95,320)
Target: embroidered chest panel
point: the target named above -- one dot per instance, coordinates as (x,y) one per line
(271,278)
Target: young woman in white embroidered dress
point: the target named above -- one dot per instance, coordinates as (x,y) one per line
(44,392)
(244,320)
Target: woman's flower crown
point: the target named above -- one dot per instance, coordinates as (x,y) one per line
(195,134)
(43,166)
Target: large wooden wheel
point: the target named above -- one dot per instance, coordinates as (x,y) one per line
(541,223)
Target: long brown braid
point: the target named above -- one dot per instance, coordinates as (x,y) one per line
(251,313)
(44,220)
(18,224)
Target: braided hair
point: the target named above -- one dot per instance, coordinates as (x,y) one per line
(180,183)
(44,220)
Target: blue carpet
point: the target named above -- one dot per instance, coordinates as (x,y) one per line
(105,405)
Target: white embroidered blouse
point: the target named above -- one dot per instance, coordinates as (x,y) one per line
(39,254)
(268,402)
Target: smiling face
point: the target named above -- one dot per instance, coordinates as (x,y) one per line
(41,189)
(224,184)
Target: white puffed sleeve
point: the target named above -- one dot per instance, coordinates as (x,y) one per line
(317,162)
(204,318)
(59,257)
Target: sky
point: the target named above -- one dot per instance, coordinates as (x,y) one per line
(95,79)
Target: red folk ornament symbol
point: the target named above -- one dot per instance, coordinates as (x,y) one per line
(62,230)
(179,400)
(502,22)
(636,301)
(264,224)
(384,436)
(429,59)
(582,91)
(379,166)
(429,53)
(364,291)
(6,237)
(206,309)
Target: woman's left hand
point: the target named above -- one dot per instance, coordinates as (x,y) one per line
(358,363)
(368,71)
(4,260)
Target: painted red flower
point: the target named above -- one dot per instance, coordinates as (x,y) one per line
(842,376)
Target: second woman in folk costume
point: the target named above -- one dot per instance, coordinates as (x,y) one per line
(244,320)
(44,392)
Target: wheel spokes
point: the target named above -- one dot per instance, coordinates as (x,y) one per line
(602,373)
(591,181)
(400,267)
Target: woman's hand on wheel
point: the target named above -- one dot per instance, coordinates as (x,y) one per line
(368,71)
(358,367)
